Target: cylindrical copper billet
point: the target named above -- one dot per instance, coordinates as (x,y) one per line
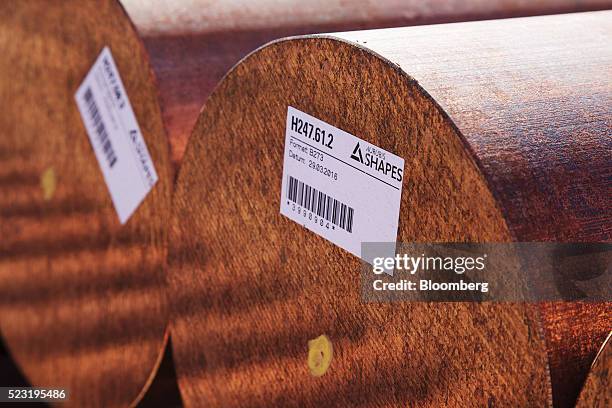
(82,301)
(504,128)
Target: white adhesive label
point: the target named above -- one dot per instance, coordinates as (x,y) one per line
(115,136)
(339,186)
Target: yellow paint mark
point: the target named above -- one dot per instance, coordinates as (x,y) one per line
(320,352)
(48,183)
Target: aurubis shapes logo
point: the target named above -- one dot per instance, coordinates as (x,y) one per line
(377,163)
(356,155)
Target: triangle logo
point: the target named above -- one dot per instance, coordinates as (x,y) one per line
(356,155)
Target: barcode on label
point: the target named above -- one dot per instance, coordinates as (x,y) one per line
(320,204)
(100,128)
